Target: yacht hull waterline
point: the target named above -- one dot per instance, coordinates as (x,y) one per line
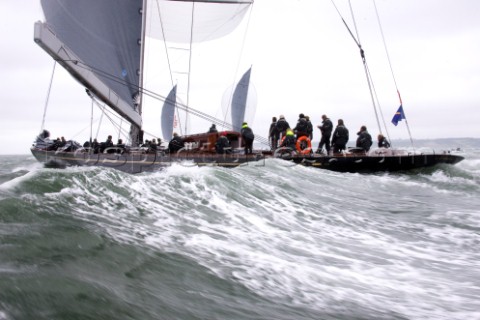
(137,162)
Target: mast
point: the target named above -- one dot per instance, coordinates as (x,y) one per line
(136,132)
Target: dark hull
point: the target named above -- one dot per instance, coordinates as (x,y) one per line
(374,163)
(138,162)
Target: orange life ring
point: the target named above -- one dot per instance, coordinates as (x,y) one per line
(306,150)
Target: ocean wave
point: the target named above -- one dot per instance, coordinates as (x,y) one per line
(308,242)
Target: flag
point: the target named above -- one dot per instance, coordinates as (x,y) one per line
(399,115)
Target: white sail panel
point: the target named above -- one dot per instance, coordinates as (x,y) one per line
(194,21)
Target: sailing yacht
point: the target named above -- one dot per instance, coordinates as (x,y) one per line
(102,45)
(361,159)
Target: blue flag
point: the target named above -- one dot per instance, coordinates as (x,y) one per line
(399,115)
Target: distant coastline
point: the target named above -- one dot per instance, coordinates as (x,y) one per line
(441,143)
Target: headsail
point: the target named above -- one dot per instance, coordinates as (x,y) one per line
(186,21)
(239,101)
(168,114)
(99,43)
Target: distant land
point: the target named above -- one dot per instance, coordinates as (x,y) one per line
(437,144)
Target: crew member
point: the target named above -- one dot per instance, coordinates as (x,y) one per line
(273,134)
(176,143)
(282,126)
(326,129)
(340,137)
(289,142)
(301,129)
(382,141)
(364,139)
(248,136)
(223,144)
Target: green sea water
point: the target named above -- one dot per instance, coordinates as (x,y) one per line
(269,242)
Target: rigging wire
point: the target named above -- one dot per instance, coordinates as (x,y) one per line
(189,66)
(168,60)
(391,69)
(190,49)
(110,116)
(120,129)
(91,119)
(165,42)
(242,47)
(354,23)
(48,97)
(366,68)
(154,95)
(101,118)
(201,115)
(373,93)
(103,109)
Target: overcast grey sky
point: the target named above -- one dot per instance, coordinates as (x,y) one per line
(303,61)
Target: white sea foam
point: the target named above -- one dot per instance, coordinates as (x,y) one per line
(392,244)
(11,184)
(263,234)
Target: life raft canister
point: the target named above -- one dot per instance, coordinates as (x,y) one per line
(301,142)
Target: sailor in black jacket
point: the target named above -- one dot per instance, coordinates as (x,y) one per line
(248,136)
(340,137)
(176,143)
(364,139)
